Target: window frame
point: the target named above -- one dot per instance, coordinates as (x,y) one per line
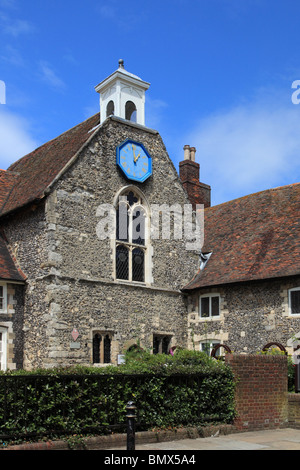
(290,291)
(4,297)
(210,316)
(129,244)
(103,335)
(160,339)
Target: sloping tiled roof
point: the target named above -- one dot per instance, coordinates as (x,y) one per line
(7,181)
(251,238)
(8,269)
(26,180)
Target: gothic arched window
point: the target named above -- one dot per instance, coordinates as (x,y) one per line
(102,348)
(131,237)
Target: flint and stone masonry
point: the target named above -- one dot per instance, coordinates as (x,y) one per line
(70,272)
(252,315)
(64,302)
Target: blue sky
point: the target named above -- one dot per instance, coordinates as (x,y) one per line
(221,74)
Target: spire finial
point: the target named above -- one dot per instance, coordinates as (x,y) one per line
(121,63)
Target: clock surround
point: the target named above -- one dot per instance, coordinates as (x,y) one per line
(134,160)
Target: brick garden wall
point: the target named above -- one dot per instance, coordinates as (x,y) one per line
(294,410)
(261,393)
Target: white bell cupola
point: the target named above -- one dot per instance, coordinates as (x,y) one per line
(122,94)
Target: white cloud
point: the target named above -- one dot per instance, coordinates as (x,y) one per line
(14,26)
(154,112)
(248,148)
(15,138)
(49,75)
(17,27)
(8,3)
(108,11)
(11,55)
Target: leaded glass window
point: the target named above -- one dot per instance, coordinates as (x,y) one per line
(106,349)
(96,348)
(122,262)
(131,237)
(138,267)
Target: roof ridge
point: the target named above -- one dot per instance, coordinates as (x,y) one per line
(51,140)
(253,194)
(40,168)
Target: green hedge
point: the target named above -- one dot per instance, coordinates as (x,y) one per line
(188,388)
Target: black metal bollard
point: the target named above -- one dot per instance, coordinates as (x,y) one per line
(130,408)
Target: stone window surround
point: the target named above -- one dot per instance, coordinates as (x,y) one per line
(3,349)
(4,298)
(103,334)
(114,346)
(210,317)
(293,315)
(6,329)
(218,336)
(8,297)
(194,320)
(285,290)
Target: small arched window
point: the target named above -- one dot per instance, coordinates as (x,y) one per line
(102,348)
(131,237)
(161,344)
(110,109)
(130,111)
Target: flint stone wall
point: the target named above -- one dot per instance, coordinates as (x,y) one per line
(70,270)
(251,315)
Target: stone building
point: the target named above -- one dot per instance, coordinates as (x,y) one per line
(96,257)
(71,292)
(246,293)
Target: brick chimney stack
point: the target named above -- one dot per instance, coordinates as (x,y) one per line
(189,171)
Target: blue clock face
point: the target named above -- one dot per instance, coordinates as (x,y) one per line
(134,161)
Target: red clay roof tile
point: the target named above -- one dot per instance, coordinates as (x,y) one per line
(8,269)
(37,170)
(251,238)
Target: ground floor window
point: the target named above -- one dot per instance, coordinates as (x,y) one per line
(161,344)
(102,348)
(3,341)
(294,301)
(3,298)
